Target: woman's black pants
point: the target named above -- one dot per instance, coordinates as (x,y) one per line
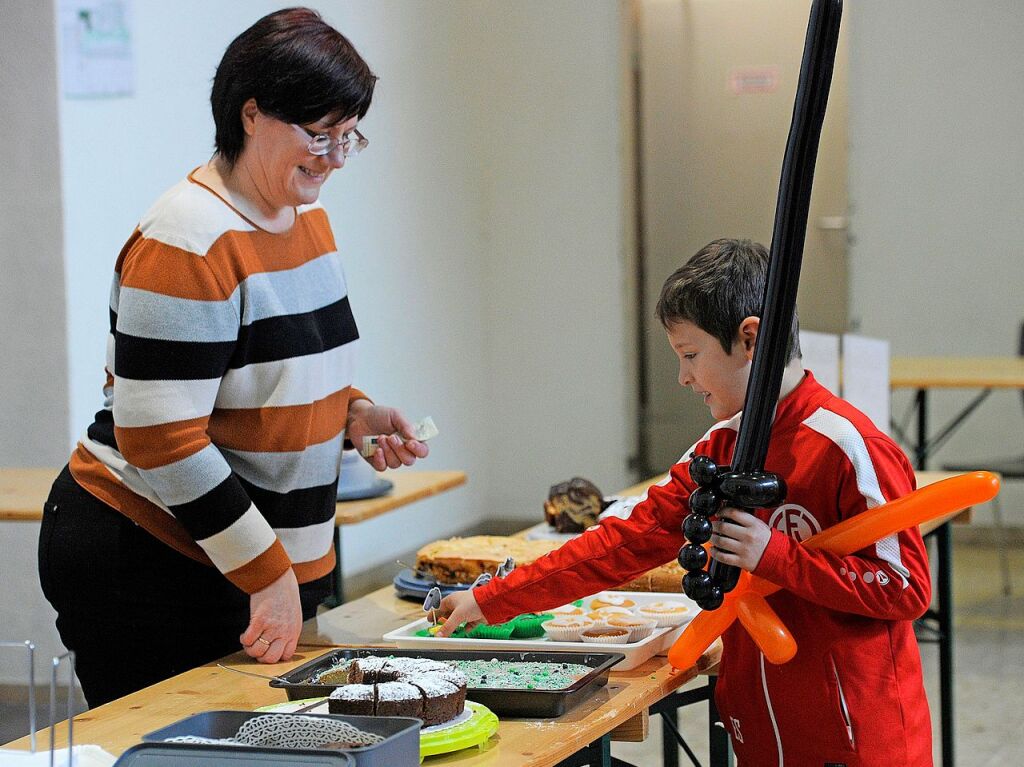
(134,610)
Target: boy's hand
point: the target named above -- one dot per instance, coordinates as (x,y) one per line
(458,608)
(741,541)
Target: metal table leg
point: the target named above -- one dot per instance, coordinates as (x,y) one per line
(338,597)
(597,754)
(944,615)
(944,545)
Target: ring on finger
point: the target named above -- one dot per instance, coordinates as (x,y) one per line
(261,639)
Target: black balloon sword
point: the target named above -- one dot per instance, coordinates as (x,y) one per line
(745,484)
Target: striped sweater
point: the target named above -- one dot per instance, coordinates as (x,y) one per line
(229,373)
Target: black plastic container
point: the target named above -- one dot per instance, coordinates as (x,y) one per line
(504,702)
(183,755)
(400,747)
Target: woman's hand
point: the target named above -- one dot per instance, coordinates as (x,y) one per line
(396,445)
(457,608)
(275,621)
(739,538)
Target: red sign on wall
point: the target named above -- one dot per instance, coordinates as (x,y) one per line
(754,80)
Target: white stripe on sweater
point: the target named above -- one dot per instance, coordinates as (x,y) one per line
(291,381)
(307,544)
(150,403)
(240,542)
(315,466)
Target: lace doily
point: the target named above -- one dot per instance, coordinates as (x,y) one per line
(289,731)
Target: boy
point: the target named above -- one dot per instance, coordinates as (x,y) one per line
(853,695)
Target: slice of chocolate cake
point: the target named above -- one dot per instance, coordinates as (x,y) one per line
(399,699)
(442,700)
(357,699)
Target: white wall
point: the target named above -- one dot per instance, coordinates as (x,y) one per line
(936,151)
(33,387)
(481,234)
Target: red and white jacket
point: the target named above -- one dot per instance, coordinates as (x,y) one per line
(853,695)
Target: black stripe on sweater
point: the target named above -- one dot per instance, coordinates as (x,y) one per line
(214,511)
(295,335)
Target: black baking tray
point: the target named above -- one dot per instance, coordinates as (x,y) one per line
(184,755)
(505,702)
(400,747)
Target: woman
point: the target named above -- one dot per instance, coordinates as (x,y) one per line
(197,512)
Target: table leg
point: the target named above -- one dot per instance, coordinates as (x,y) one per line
(944,616)
(338,597)
(921,447)
(944,544)
(597,754)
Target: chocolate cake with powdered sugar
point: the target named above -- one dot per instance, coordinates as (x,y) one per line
(429,690)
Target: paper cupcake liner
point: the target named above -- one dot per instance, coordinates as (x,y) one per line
(566,633)
(636,633)
(665,619)
(530,626)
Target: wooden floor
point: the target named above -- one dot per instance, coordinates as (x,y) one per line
(989,657)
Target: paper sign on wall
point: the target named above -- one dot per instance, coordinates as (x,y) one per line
(820,353)
(866,377)
(96,48)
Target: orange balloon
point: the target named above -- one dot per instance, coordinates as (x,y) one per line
(746,600)
(765,627)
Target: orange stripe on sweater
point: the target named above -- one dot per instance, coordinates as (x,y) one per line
(156,266)
(149,447)
(98,481)
(260,572)
(318,568)
(280,429)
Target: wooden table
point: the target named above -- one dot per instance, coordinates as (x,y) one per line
(924,374)
(619,711)
(23,492)
(620,708)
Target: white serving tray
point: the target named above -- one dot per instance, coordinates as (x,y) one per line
(658,643)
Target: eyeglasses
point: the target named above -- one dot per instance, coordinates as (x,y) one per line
(352,143)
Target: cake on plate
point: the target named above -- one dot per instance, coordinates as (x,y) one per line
(461,560)
(573,506)
(426,689)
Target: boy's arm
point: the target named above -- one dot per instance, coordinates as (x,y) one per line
(889,579)
(614,552)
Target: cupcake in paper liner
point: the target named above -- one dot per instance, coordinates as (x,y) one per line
(565,610)
(611,600)
(638,628)
(667,612)
(601,615)
(605,635)
(567,628)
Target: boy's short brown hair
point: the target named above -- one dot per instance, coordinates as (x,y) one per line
(719,287)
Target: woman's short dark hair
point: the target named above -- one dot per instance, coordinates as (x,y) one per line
(718,288)
(297,67)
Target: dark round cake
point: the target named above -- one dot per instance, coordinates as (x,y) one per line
(427,689)
(573,506)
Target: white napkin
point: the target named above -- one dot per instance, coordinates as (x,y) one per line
(84,756)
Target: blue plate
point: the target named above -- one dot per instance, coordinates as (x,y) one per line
(378,488)
(410,586)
